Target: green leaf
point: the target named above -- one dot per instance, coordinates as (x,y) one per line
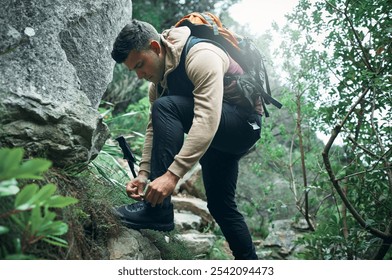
(47,220)
(22,201)
(370,222)
(55,228)
(44,194)
(56,241)
(9,187)
(3,230)
(61,201)
(9,161)
(32,168)
(20,219)
(36,220)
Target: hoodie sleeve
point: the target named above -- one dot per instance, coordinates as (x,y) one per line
(205,65)
(145,162)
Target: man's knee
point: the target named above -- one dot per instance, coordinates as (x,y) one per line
(173,108)
(223,211)
(160,104)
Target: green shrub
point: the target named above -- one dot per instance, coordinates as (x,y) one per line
(26,213)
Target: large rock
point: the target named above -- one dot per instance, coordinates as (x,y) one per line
(198,243)
(186,220)
(55,65)
(132,245)
(281,240)
(197,207)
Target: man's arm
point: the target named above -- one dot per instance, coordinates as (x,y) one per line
(145,162)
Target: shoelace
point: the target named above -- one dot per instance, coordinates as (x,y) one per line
(135,206)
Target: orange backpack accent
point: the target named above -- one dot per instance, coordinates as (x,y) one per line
(213,22)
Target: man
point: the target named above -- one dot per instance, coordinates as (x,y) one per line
(187,97)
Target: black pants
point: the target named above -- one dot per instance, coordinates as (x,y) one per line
(172,117)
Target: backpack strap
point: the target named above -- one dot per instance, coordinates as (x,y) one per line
(260,68)
(268,96)
(193,40)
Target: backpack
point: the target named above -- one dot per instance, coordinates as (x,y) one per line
(244,89)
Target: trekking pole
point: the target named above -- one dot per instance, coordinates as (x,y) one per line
(127,154)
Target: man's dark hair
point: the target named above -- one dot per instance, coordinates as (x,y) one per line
(134,36)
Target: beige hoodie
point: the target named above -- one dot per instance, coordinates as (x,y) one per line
(205,65)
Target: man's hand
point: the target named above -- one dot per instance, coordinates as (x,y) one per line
(135,187)
(161,188)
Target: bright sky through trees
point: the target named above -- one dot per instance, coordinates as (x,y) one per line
(260,14)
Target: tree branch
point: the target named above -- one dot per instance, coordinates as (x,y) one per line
(335,182)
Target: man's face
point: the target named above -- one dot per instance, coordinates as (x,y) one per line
(148,64)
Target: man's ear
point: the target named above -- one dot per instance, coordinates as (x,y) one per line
(155,46)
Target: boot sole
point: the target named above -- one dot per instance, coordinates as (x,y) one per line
(155,226)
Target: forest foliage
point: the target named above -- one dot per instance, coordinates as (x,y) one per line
(332,71)
(330,65)
(337,55)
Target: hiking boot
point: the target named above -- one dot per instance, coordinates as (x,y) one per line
(142,215)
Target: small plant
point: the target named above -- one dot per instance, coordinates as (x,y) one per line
(26,215)
(220,250)
(170,247)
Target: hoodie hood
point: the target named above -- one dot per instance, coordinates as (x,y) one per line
(174,40)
